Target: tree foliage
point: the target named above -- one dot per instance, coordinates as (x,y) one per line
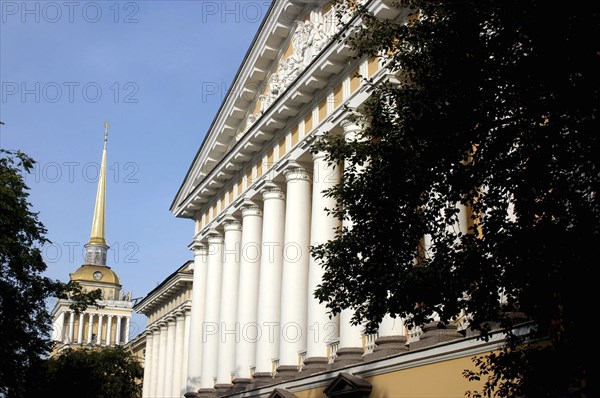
(94,373)
(492,106)
(24,320)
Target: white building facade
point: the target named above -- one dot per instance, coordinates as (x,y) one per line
(168,309)
(256,194)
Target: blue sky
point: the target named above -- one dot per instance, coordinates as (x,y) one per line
(157,71)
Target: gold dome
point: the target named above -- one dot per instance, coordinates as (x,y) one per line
(96,274)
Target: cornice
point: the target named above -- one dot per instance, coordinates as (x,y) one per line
(317,76)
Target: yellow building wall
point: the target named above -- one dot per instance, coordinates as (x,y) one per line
(442,379)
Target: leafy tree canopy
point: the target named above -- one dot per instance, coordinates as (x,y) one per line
(492,108)
(24,320)
(94,373)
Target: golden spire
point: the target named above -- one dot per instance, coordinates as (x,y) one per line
(97,236)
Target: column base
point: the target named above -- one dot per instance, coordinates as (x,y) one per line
(223,389)
(314,365)
(286,372)
(387,346)
(348,356)
(191,394)
(240,384)
(206,393)
(261,379)
(433,334)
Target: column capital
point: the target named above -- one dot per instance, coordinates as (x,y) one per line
(295,172)
(318,155)
(214,236)
(350,124)
(198,246)
(350,127)
(232,224)
(149,334)
(162,324)
(250,208)
(272,191)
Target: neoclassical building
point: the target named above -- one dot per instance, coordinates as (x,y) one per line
(255,193)
(108,324)
(168,311)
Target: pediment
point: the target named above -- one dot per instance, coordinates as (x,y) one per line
(290,38)
(347,385)
(282,393)
(187,267)
(308,37)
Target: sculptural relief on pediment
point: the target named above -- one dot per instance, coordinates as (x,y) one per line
(308,39)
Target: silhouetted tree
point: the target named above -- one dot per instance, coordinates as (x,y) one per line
(24,320)
(493,106)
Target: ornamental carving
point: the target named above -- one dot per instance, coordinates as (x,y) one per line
(308,40)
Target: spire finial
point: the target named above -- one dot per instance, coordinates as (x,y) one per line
(96,247)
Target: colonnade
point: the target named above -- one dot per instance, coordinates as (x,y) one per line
(92,328)
(165,362)
(254,314)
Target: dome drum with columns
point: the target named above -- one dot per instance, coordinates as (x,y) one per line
(109,323)
(255,194)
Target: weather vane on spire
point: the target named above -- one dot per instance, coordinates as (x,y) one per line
(105,131)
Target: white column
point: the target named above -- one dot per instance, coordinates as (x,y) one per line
(391,327)
(58,327)
(170,359)
(127,326)
(229,300)
(178,354)
(194,366)
(90,327)
(162,360)
(148,365)
(118,336)
(252,223)
(350,335)
(109,330)
(321,328)
(186,351)
(99,333)
(210,326)
(294,283)
(269,293)
(71,326)
(80,329)
(156,358)
(464,219)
